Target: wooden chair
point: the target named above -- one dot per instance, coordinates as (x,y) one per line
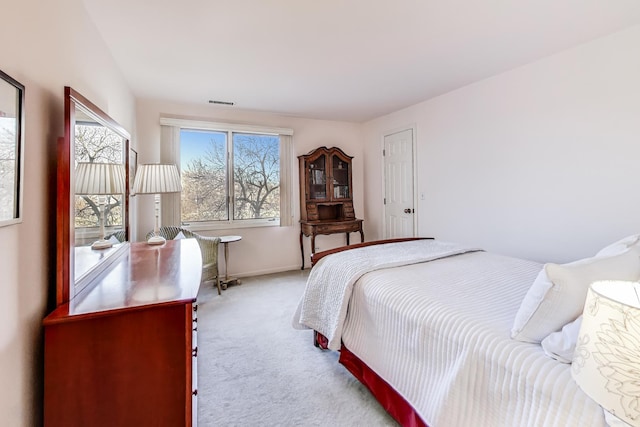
(208,248)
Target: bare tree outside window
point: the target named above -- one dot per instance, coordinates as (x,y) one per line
(256,175)
(95,143)
(252,176)
(204,177)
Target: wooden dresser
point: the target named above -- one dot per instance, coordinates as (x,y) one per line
(123,352)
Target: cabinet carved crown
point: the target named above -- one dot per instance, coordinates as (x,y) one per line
(325,185)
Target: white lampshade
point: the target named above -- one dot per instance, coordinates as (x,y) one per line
(100,178)
(157,178)
(606,362)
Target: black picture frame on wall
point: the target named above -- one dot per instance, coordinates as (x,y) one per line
(11,150)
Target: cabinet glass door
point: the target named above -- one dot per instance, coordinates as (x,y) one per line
(340,178)
(318,178)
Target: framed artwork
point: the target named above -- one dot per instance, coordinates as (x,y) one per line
(133,167)
(11,150)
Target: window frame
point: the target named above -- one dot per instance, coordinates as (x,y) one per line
(230,129)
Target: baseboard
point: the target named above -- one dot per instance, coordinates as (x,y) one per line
(266,271)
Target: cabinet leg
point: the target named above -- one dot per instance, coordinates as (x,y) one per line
(347,233)
(301,251)
(361,236)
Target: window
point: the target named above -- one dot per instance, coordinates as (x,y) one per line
(222,181)
(232,175)
(95,143)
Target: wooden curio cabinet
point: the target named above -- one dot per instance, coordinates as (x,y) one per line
(325,185)
(326,199)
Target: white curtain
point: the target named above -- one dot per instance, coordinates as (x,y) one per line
(286,180)
(170,154)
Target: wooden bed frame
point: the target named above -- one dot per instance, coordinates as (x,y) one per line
(384,393)
(318,256)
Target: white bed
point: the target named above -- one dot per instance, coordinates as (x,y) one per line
(438,332)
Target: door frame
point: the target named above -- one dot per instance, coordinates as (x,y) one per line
(414,148)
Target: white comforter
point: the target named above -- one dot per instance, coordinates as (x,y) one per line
(438,332)
(323,307)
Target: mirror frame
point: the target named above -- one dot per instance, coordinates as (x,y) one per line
(66,284)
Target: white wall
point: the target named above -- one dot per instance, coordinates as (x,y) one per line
(266,249)
(46,45)
(540,162)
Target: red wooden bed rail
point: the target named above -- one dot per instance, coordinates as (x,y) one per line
(387,396)
(318,256)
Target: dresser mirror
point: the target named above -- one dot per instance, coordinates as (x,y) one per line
(92,199)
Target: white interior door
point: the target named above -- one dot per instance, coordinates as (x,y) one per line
(399,209)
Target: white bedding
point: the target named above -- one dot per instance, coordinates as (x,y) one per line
(323,306)
(438,333)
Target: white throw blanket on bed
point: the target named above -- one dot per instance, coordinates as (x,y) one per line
(324,304)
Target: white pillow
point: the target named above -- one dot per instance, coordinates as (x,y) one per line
(179,236)
(560,345)
(620,246)
(558,294)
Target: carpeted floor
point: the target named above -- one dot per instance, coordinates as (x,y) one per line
(254,369)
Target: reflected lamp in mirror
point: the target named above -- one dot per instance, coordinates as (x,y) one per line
(101,179)
(157,179)
(606,362)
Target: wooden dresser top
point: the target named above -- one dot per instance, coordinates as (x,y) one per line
(144,275)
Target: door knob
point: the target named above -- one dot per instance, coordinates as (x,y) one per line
(407,210)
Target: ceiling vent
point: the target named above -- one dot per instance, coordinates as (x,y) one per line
(213,101)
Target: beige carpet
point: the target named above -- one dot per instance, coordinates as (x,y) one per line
(254,369)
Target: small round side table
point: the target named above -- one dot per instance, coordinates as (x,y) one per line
(228,280)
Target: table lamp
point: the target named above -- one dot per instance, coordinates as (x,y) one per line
(606,362)
(157,179)
(100,179)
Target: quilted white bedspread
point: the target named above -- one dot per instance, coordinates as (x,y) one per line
(438,333)
(323,306)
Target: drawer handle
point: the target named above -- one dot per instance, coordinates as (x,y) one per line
(194,352)
(195,392)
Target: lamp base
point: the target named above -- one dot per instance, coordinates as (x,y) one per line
(101,244)
(156,240)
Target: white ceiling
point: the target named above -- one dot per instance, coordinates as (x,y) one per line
(350,60)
